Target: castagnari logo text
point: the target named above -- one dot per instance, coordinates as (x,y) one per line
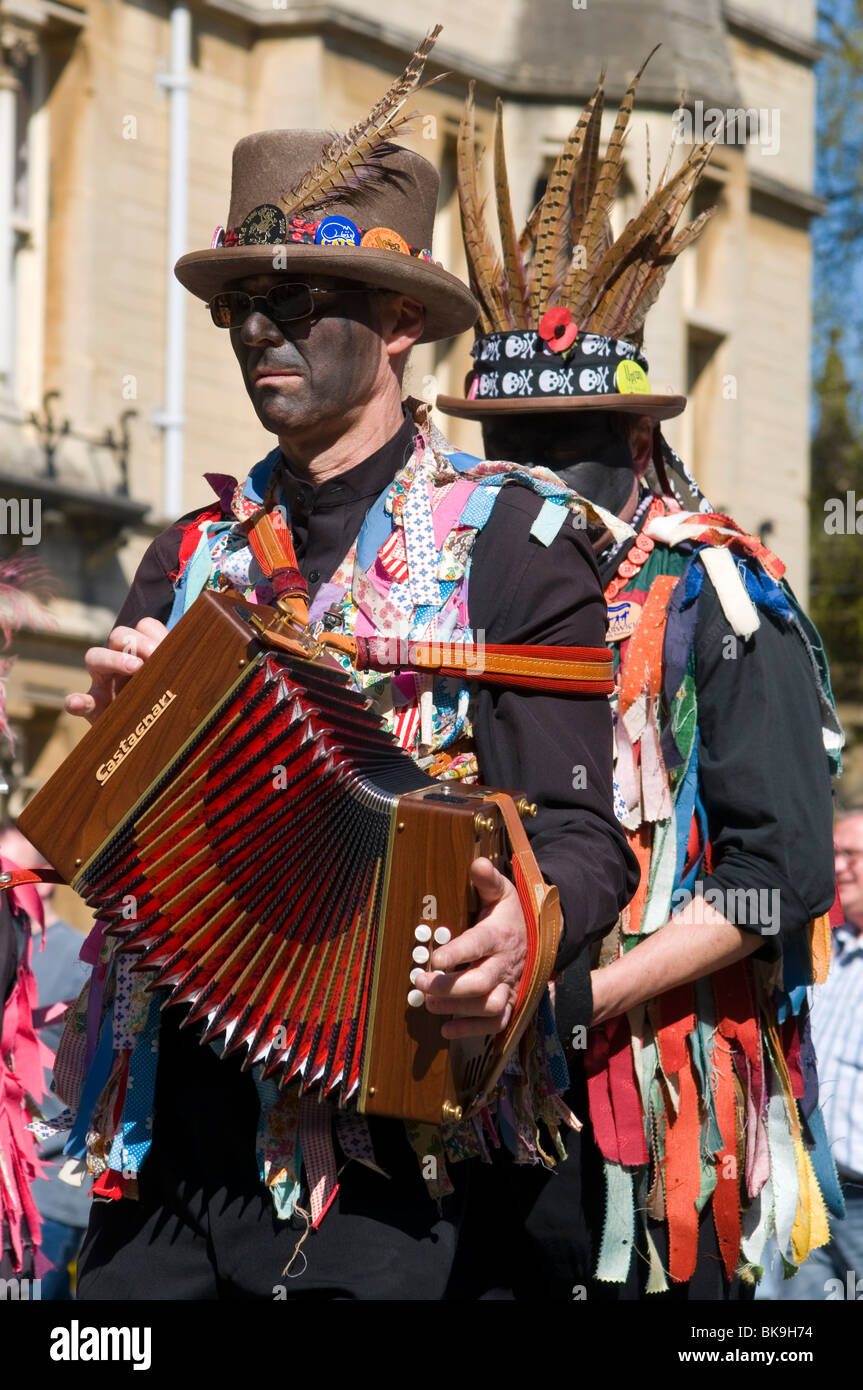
(108,769)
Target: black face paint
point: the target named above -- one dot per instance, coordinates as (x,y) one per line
(322,366)
(584,448)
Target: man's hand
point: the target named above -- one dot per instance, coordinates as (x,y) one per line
(110,667)
(482,996)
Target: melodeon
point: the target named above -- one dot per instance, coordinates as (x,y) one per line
(279,865)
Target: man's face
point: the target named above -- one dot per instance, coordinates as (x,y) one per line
(848,847)
(585,448)
(309,374)
(555,439)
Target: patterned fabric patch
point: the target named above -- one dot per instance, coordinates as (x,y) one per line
(46,1129)
(316,1137)
(479,507)
(124,1032)
(70,1063)
(392,556)
(352,1132)
(422,551)
(133,1138)
(406,726)
(455,554)
(620,807)
(236,567)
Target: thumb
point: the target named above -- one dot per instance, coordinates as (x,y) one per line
(488,882)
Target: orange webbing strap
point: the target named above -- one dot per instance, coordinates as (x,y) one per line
(273,549)
(19,878)
(540,904)
(558,670)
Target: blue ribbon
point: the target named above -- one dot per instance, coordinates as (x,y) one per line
(97,1076)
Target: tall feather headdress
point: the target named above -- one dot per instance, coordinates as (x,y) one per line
(566,255)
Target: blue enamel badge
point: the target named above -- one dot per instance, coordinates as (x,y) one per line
(337,231)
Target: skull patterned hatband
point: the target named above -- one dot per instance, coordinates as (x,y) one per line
(521,365)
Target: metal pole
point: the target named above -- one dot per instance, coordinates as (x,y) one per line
(172,419)
(8,95)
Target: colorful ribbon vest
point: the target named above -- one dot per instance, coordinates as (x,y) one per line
(698,1097)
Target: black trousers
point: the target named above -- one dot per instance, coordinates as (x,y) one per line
(204,1227)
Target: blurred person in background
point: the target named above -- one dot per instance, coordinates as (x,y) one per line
(22,593)
(60,976)
(836,1270)
(19,1076)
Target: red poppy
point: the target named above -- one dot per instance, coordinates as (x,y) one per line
(557,328)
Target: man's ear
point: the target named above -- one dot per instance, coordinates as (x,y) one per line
(641,443)
(402,323)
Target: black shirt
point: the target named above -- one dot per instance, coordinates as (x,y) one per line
(557,750)
(764,776)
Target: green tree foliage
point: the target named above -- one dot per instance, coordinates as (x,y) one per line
(838,235)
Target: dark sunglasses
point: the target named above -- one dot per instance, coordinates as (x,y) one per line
(281,303)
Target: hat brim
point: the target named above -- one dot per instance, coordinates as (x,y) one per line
(450,308)
(657,407)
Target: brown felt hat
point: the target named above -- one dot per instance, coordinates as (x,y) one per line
(260,237)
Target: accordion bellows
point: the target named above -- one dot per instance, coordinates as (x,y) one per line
(279,865)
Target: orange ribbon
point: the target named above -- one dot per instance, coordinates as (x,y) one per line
(642,669)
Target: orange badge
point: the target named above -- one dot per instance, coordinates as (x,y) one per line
(385,239)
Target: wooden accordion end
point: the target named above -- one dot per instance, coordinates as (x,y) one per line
(280,865)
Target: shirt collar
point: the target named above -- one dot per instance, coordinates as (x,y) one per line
(364,482)
(848,941)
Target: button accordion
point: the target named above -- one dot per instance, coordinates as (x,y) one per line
(278,865)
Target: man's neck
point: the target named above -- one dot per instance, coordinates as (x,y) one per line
(351,441)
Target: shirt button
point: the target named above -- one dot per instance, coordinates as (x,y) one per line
(314,576)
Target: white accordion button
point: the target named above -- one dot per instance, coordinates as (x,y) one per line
(417,970)
(420,954)
(416,998)
(423,933)
(442,935)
